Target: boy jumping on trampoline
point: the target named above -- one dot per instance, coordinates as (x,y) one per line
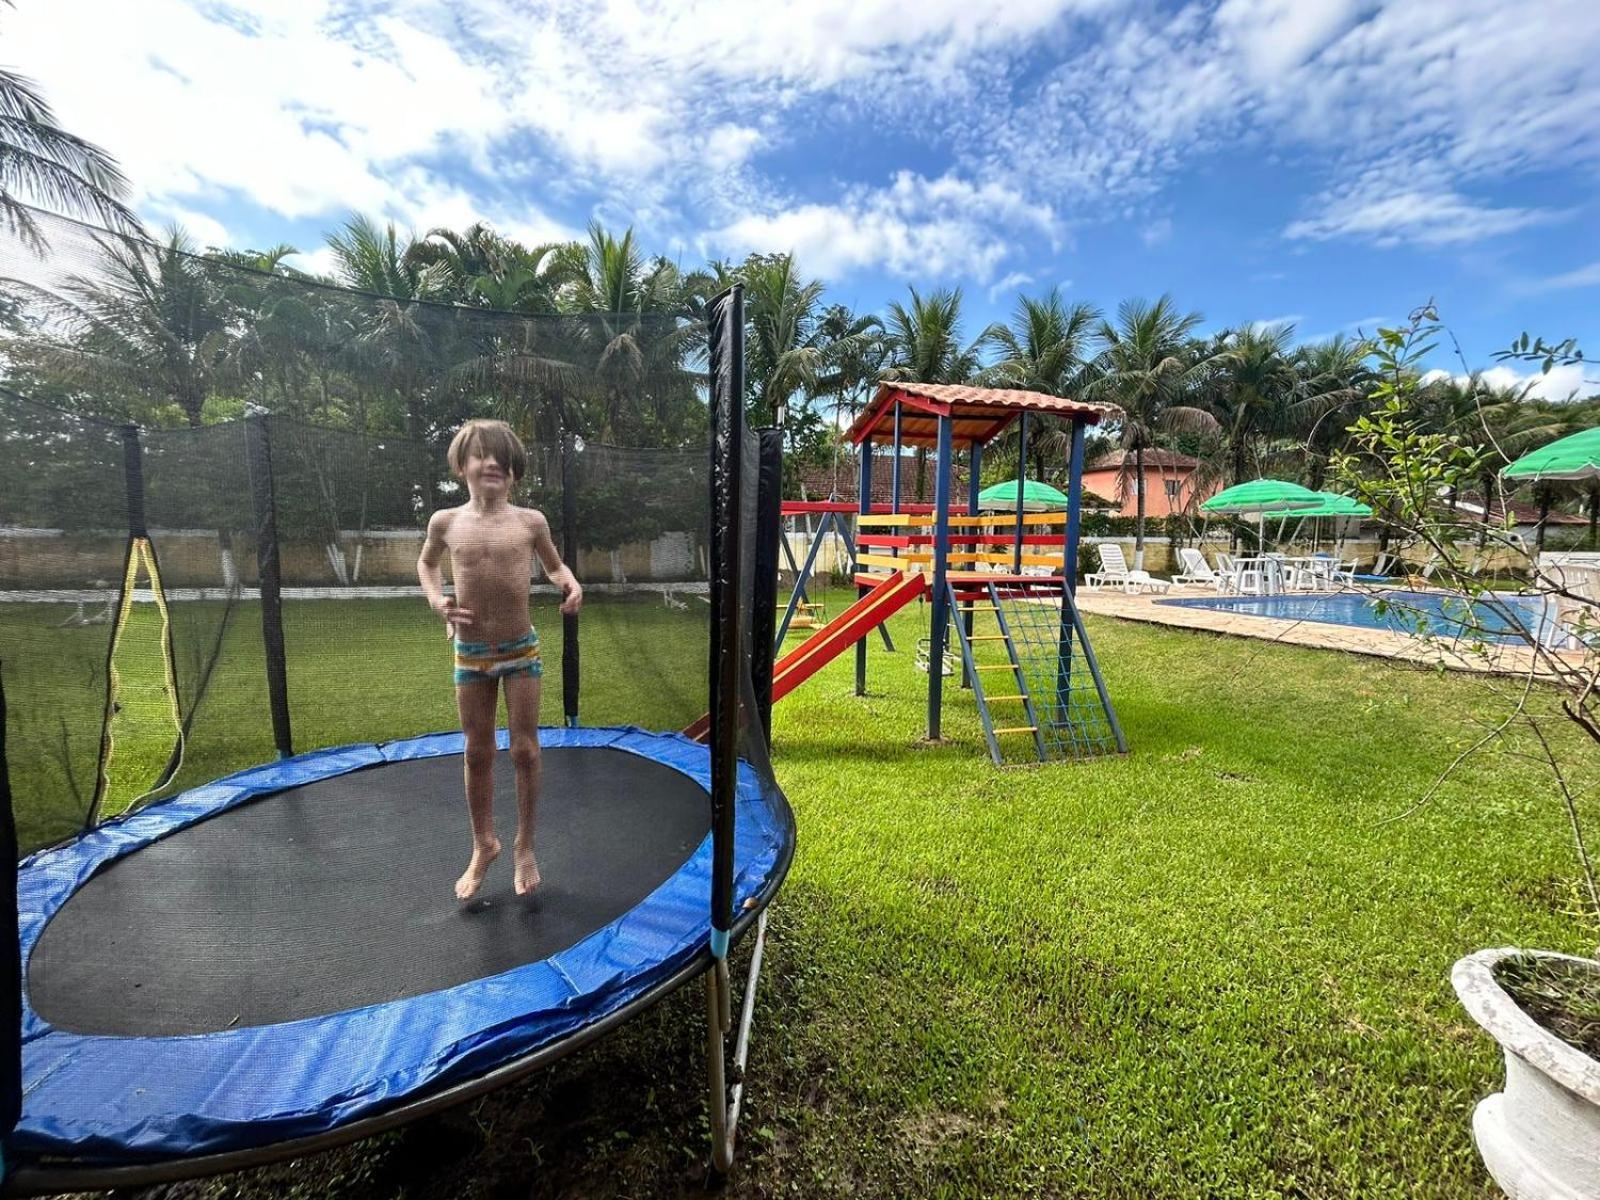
(492,545)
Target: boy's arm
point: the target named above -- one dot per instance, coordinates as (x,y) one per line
(431,577)
(557,571)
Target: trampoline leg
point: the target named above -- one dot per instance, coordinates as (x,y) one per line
(726,1104)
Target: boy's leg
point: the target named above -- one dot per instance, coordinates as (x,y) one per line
(522,719)
(476,703)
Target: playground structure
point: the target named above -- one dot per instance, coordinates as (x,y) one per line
(801,611)
(1004,582)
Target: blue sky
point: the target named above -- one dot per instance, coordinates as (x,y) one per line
(1327,162)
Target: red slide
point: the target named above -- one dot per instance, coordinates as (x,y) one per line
(849,627)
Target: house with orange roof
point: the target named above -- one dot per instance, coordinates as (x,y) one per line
(1172,482)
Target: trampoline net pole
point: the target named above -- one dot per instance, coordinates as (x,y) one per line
(10,953)
(570,674)
(269,563)
(764,603)
(726,322)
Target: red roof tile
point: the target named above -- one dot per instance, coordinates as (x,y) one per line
(977,414)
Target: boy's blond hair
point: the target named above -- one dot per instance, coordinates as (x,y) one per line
(488,439)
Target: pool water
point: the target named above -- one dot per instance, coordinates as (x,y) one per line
(1445,616)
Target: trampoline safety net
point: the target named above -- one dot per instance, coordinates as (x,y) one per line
(215,485)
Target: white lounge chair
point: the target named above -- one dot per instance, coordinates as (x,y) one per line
(1135,582)
(1196,569)
(1113,566)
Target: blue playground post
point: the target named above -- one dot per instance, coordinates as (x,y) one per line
(974,486)
(1069,567)
(941,596)
(894,467)
(1069,573)
(1022,485)
(866,509)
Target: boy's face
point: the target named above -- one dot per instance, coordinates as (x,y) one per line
(485,476)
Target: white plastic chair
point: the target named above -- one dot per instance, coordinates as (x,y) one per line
(1250,577)
(1227,574)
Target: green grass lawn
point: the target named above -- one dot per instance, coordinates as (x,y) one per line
(1209,968)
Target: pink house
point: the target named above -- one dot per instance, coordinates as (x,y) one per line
(1170,484)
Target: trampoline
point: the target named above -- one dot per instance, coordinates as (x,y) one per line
(277,955)
(274,962)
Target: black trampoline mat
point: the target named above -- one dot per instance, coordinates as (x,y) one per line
(338,894)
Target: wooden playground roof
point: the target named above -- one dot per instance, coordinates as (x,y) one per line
(977,415)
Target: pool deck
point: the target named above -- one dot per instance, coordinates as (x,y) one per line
(1379,643)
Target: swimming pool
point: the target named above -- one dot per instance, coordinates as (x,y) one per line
(1444,615)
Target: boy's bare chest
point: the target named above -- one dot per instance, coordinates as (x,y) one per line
(490,546)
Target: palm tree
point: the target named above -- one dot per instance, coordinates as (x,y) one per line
(1334,382)
(1043,349)
(488,269)
(53,167)
(152,324)
(373,259)
(1252,383)
(858,354)
(925,345)
(1147,369)
(401,341)
(608,274)
(787,344)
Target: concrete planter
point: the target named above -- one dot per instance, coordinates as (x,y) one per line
(1540,1137)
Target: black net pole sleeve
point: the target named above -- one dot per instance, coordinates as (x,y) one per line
(726,324)
(764,601)
(133,473)
(258,453)
(570,676)
(10,951)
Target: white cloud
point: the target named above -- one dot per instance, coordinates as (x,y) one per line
(915,228)
(1573,381)
(1157,232)
(1269,323)
(1278,35)
(1412,216)
(1583,277)
(206,231)
(674,116)
(320,261)
(730,145)
(1008,283)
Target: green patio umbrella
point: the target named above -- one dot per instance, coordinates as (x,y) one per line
(1036,496)
(1332,505)
(1259,497)
(1570,458)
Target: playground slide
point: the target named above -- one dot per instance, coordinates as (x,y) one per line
(849,627)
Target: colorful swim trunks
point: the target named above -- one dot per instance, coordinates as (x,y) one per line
(476,661)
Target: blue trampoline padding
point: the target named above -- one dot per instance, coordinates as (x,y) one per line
(115,1098)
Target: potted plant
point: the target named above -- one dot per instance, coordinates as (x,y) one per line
(1540,1135)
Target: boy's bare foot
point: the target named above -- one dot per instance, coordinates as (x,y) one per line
(527,869)
(472,878)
